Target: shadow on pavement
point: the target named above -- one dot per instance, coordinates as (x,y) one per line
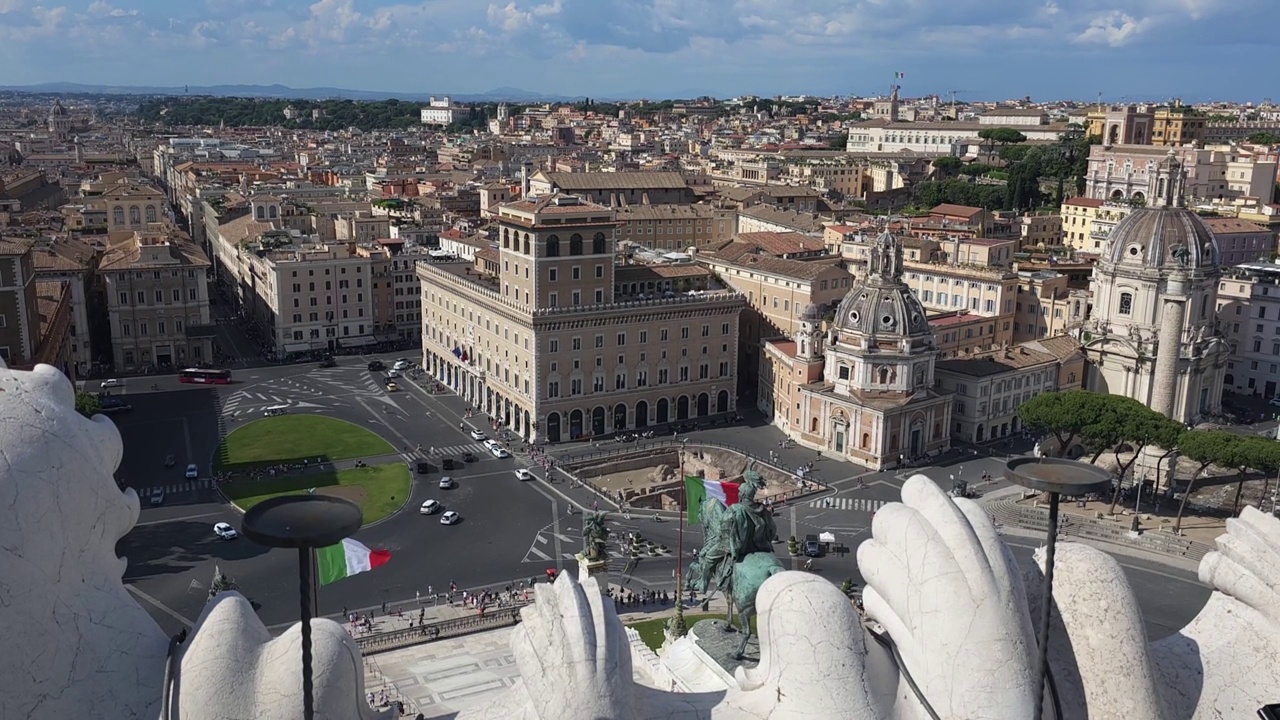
(174,547)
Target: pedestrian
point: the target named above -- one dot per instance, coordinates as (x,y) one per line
(417,597)
(384,607)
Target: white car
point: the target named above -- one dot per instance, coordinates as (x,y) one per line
(430,507)
(193,472)
(477,435)
(499,452)
(110,383)
(393,374)
(450,518)
(402,364)
(490,443)
(446,482)
(523,474)
(1275,401)
(225,531)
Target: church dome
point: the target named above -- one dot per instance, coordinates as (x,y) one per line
(1162,237)
(882,305)
(57,110)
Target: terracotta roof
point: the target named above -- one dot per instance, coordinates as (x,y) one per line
(636,273)
(780,243)
(663,180)
(796,269)
(964,211)
(1233,225)
(127,255)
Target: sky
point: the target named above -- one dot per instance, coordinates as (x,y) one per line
(1125,50)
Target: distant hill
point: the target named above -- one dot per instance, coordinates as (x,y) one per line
(279,91)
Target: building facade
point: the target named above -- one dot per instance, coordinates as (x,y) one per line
(543,344)
(1152,333)
(864,390)
(1249,317)
(676,227)
(19,311)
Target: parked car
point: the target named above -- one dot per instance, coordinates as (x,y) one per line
(446,483)
(449,518)
(523,474)
(429,507)
(376,365)
(110,383)
(490,443)
(477,435)
(192,472)
(1275,401)
(423,467)
(225,531)
(448,463)
(157,496)
(392,387)
(812,548)
(328,363)
(113,405)
(469,457)
(499,452)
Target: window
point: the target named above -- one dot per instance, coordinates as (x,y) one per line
(598,245)
(151,213)
(599,341)
(552,274)
(553,246)
(124,298)
(575,244)
(117,215)
(577,344)
(663,335)
(644,336)
(1126,304)
(599,296)
(575,273)
(599,271)
(159,296)
(684,374)
(622,339)
(553,389)
(662,376)
(724,368)
(553,346)
(724,328)
(684,333)
(577,297)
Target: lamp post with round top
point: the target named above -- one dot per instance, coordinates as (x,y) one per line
(1057,477)
(305,522)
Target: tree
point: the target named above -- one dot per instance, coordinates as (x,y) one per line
(947,166)
(87,404)
(1251,453)
(1206,447)
(1264,138)
(1064,415)
(1002,135)
(221,583)
(1126,421)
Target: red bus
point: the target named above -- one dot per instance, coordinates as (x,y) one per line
(212,377)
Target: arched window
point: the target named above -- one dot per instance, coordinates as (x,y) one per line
(261,213)
(866,440)
(813,425)
(272,212)
(135,215)
(506,239)
(598,244)
(526,244)
(1126,304)
(575,244)
(151,213)
(884,376)
(117,216)
(553,246)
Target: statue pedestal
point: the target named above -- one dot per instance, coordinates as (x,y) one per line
(1149,466)
(593,568)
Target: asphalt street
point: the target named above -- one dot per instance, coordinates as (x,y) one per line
(510,530)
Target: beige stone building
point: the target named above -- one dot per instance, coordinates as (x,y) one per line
(19,311)
(1248,314)
(544,343)
(1038,229)
(864,390)
(987,389)
(1046,306)
(157,301)
(676,227)
(1077,222)
(614,189)
(132,205)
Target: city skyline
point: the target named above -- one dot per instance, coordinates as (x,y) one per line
(1079,49)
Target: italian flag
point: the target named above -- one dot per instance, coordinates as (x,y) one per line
(697,490)
(346,559)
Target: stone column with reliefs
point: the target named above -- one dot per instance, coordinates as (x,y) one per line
(1168,345)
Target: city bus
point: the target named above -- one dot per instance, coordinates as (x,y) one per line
(212,377)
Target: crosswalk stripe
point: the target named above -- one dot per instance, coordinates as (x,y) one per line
(541,555)
(843,503)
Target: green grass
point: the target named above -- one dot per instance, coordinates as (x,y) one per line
(652,632)
(379,490)
(290,438)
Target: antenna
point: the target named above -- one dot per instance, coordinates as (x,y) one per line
(953,98)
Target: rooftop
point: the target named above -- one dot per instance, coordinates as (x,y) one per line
(661,180)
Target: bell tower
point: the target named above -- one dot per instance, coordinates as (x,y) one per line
(809,336)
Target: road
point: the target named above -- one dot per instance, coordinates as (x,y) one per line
(511,530)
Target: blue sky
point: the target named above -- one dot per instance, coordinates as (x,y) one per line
(988,49)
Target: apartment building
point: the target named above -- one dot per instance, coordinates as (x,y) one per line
(157,301)
(443,111)
(19,309)
(615,189)
(990,388)
(1249,317)
(675,227)
(543,343)
(1240,241)
(960,333)
(1133,172)
(1038,230)
(1176,125)
(132,205)
(74,263)
(1077,215)
(1046,306)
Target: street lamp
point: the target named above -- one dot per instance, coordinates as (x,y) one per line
(305,522)
(1057,477)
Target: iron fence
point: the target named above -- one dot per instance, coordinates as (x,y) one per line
(455,627)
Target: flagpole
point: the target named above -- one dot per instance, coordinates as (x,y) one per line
(679,630)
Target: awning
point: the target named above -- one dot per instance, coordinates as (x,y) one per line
(358,341)
(297,347)
(827,537)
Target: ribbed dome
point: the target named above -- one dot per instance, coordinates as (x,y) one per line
(885,311)
(1162,237)
(57,110)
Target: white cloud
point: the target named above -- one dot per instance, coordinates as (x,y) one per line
(8,6)
(508,18)
(100,8)
(1114,28)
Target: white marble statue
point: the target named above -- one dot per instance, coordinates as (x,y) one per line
(939,582)
(76,642)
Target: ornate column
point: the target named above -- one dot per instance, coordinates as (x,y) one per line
(1172,315)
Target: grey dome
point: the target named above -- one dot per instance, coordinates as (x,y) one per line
(886,310)
(811,312)
(1156,237)
(57,110)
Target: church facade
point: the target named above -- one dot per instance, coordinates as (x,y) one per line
(864,390)
(1151,335)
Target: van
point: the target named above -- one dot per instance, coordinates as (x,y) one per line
(447,463)
(424,468)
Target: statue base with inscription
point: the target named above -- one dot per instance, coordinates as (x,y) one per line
(720,641)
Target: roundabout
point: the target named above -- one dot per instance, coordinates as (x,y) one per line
(298,454)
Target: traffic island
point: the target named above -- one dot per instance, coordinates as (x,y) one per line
(379,490)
